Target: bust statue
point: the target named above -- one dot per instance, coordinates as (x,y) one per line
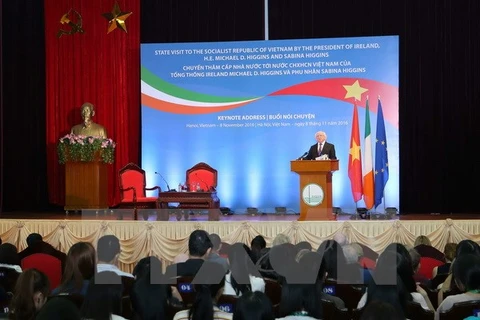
(88,127)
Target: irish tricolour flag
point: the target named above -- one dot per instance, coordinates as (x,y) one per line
(368,182)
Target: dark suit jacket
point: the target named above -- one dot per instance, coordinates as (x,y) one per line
(187,268)
(328,149)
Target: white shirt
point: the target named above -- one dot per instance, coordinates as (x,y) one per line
(110,267)
(449,301)
(258,284)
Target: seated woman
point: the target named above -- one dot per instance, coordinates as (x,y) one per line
(243,275)
(79,269)
(301,292)
(103,300)
(466,271)
(209,283)
(463,247)
(253,306)
(150,293)
(30,294)
(449,253)
(393,283)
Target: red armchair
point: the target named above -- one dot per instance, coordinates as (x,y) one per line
(201,176)
(47,264)
(133,189)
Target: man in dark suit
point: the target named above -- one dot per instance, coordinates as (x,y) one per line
(199,248)
(37,245)
(322,147)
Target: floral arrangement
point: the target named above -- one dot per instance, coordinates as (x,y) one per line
(84,148)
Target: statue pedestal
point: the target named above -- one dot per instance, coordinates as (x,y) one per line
(86,185)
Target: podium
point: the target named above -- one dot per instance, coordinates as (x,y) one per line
(315,188)
(86,185)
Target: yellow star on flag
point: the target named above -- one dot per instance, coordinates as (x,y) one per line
(355,151)
(354,91)
(116,18)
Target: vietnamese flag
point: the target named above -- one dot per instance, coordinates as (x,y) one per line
(354,158)
(368,181)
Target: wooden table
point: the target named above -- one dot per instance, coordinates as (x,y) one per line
(192,200)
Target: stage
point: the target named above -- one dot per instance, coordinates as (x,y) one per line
(166,239)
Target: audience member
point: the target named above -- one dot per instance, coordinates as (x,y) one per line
(280,259)
(464,247)
(300,254)
(209,284)
(214,255)
(281,239)
(418,277)
(312,263)
(303,245)
(59,308)
(336,263)
(199,247)
(424,247)
(182,257)
(35,244)
(30,294)
(379,310)
(466,270)
(340,238)
(388,286)
(103,300)
(243,276)
(108,252)
(256,246)
(253,306)
(449,253)
(9,258)
(150,293)
(301,292)
(79,269)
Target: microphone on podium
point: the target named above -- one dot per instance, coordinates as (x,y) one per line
(168,187)
(303,156)
(203,181)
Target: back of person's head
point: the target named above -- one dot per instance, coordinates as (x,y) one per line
(466,272)
(390,261)
(404,265)
(299,293)
(34,238)
(150,267)
(59,308)
(379,310)
(253,306)
(340,238)
(333,257)
(415,257)
(350,253)
(467,247)
(241,267)
(30,294)
(216,241)
(258,243)
(303,245)
(282,258)
(108,249)
(422,240)
(9,254)
(149,296)
(358,248)
(450,249)
(199,244)
(209,283)
(79,265)
(388,286)
(280,239)
(103,297)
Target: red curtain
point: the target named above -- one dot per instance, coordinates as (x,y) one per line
(92,67)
